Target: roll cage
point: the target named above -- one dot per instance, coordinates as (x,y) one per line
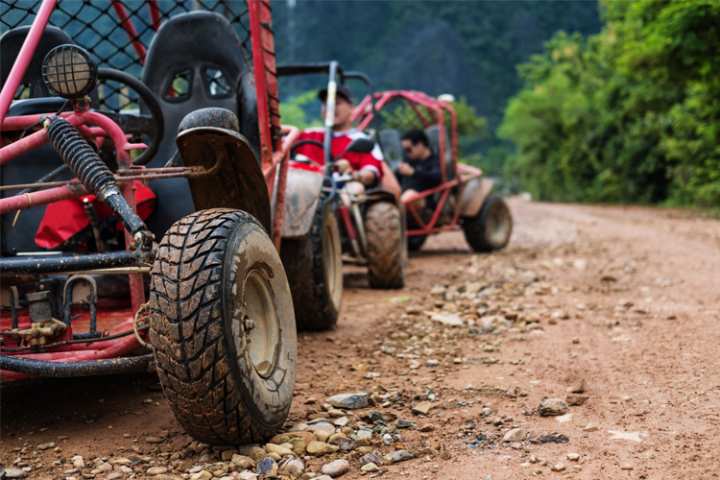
(431,112)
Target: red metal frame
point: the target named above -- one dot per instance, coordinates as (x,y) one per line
(367,111)
(130,29)
(95,126)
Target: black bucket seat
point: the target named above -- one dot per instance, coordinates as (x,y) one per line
(17,232)
(195,61)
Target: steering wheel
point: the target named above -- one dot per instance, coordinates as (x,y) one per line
(152,125)
(296,145)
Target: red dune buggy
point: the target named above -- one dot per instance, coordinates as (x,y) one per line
(141,220)
(463,199)
(371,221)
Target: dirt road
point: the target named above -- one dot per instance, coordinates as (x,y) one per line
(613,311)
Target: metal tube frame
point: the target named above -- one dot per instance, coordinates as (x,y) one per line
(366,112)
(95,126)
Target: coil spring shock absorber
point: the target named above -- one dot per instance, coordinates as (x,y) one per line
(87,165)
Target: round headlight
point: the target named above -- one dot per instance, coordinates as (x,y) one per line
(68,71)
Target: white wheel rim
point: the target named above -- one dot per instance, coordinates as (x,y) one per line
(260,323)
(332,262)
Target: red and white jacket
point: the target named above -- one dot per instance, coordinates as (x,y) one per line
(341,140)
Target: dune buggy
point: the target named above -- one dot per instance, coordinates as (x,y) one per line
(464,199)
(371,221)
(141,220)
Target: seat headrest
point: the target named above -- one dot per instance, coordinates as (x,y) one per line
(10,44)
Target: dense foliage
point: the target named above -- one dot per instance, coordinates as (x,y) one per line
(629,114)
(467,48)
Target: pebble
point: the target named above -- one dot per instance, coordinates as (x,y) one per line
(12,472)
(255,452)
(350,401)
(573,457)
(363,437)
(247,475)
(405,424)
(551,407)
(422,408)
(201,475)
(576,399)
(336,468)
(267,466)
(550,438)
(317,448)
(281,450)
(339,439)
(626,466)
(78,462)
(373,457)
(369,467)
(558,467)
(578,387)
(341,421)
(156,470)
(242,461)
(449,319)
(322,430)
(103,467)
(514,435)
(629,436)
(46,446)
(399,456)
(293,467)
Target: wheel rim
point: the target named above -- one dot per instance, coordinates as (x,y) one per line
(260,323)
(332,261)
(498,225)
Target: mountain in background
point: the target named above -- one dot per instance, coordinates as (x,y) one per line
(467,48)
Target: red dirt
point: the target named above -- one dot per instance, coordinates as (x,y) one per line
(626,299)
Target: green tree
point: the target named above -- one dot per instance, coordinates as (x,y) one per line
(294,110)
(629,114)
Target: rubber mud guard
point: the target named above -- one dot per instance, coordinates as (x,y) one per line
(236,180)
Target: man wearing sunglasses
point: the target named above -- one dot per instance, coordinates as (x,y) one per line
(421,170)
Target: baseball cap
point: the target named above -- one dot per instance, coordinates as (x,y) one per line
(342,92)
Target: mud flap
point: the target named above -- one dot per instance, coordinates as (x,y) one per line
(302,197)
(235,181)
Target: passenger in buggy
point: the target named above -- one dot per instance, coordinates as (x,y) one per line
(421,170)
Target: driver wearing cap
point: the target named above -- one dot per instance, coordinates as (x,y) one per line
(367,167)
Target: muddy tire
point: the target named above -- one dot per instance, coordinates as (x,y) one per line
(491,228)
(314,268)
(222,327)
(416,243)
(386,245)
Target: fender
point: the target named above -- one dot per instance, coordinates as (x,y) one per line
(382,195)
(236,181)
(473,195)
(302,197)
